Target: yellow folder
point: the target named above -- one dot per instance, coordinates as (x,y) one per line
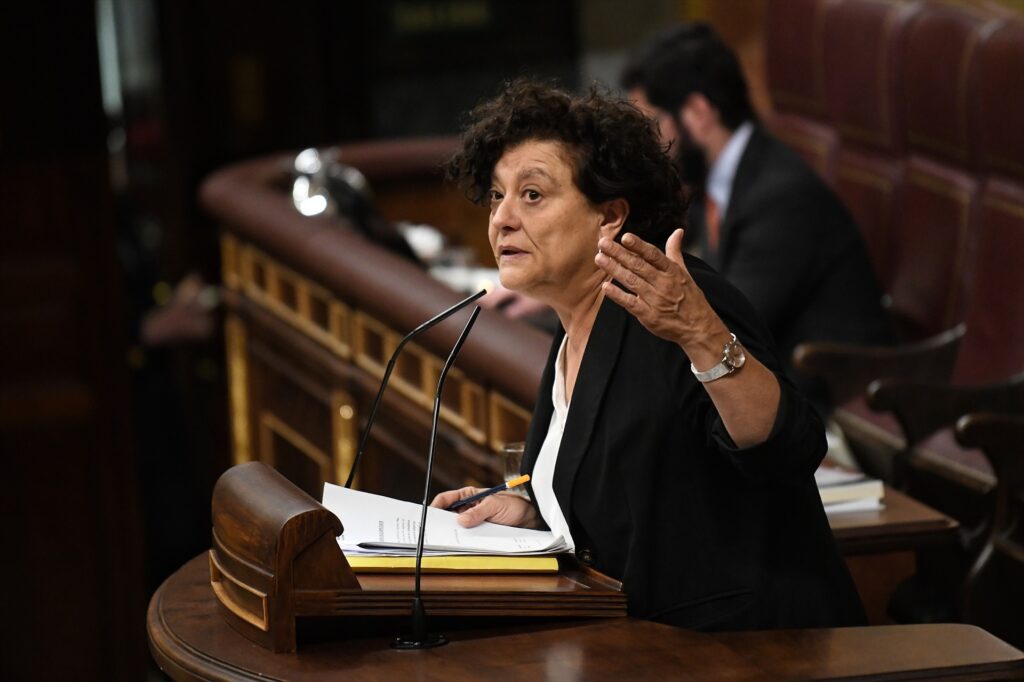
(475,563)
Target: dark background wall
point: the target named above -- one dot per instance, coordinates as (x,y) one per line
(112,112)
(72,567)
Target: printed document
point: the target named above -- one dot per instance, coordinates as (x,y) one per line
(375,524)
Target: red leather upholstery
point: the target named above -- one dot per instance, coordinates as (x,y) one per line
(940,47)
(870,184)
(862,88)
(993,349)
(794,42)
(793,47)
(999,102)
(864,72)
(930,243)
(814,141)
(925,101)
(935,222)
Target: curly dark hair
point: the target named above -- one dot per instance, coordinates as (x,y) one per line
(614,147)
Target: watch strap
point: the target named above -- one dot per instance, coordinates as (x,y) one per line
(719,370)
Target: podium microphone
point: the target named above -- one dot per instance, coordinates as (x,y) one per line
(440,317)
(420,638)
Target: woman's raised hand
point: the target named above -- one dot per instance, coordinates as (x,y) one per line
(662,295)
(666,300)
(506,508)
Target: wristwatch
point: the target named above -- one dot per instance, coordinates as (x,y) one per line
(733,357)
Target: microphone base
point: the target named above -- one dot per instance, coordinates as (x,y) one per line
(419,638)
(409,642)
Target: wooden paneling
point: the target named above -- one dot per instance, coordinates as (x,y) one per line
(74,600)
(303,383)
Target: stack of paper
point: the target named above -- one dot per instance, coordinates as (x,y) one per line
(843,490)
(381,526)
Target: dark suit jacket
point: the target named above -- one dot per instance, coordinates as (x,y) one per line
(789,245)
(702,534)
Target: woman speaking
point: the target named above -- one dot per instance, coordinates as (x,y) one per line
(666,446)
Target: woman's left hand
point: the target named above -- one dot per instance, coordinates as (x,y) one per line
(664,297)
(669,304)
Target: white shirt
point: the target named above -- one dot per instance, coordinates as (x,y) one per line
(723,170)
(544,469)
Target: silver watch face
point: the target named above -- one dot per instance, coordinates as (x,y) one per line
(735,355)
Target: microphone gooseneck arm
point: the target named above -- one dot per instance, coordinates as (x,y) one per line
(420,638)
(440,317)
(433,439)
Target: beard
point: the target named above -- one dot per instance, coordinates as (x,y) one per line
(692,166)
(691,163)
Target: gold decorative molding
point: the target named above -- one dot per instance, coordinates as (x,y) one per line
(484,417)
(817,148)
(509,422)
(957,195)
(229,261)
(372,344)
(474,412)
(1015,210)
(238,388)
(344,433)
(864,177)
(271,425)
(296,300)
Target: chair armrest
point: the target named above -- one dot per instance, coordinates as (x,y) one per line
(924,408)
(1001,437)
(847,369)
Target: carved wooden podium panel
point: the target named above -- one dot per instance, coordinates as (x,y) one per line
(275,558)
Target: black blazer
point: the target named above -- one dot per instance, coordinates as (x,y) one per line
(790,246)
(702,534)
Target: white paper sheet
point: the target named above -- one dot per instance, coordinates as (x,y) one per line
(375,524)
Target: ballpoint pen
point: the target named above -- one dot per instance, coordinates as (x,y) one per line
(490,491)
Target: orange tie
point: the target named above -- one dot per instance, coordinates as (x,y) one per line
(711,219)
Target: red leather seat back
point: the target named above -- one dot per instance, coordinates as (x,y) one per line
(862,64)
(794,40)
(940,49)
(862,48)
(931,246)
(814,141)
(994,346)
(935,218)
(793,48)
(999,101)
(869,184)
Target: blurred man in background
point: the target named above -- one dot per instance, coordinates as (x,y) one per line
(758,213)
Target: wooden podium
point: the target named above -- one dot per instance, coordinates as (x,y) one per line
(275,558)
(191,641)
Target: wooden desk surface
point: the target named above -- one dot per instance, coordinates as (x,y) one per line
(903,524)
(191,640)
